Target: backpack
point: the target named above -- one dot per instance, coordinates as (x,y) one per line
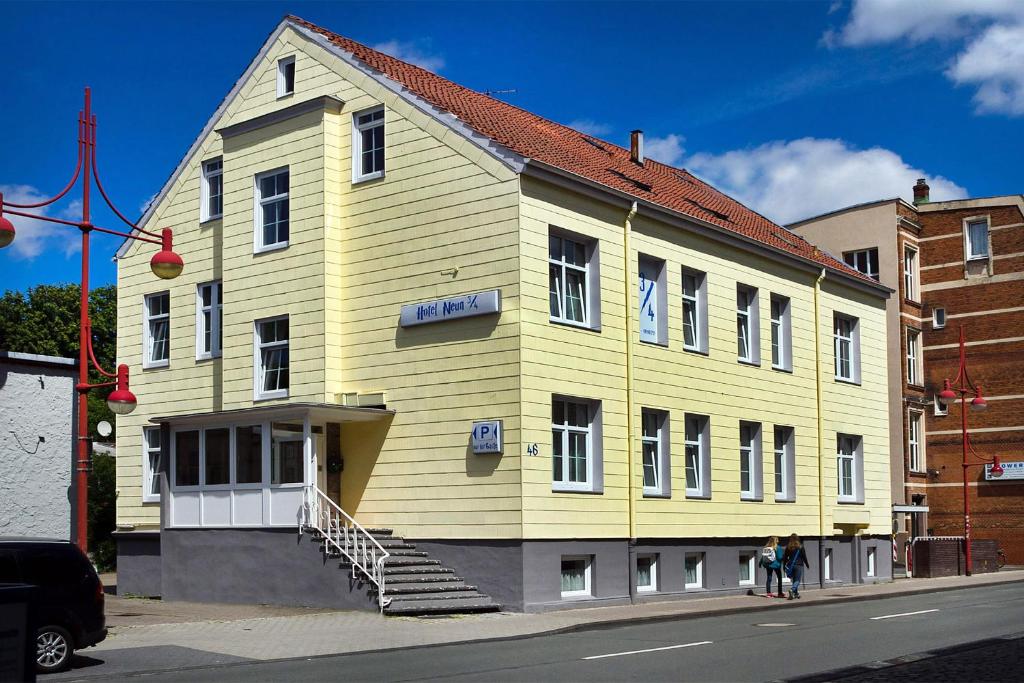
(792,562)
(767,556)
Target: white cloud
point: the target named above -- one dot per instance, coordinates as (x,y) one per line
(412,53)
(992,59)
(33,237)
(668,150)
(994,63)
(590,127)
(791,180)
(883,21)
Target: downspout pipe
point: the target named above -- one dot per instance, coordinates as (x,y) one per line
(630,457)
(821,428)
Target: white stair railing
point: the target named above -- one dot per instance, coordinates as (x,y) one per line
(348,537)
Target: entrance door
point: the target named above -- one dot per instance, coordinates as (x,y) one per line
(318,462)
(333,463)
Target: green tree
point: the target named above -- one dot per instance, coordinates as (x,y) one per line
(45,321)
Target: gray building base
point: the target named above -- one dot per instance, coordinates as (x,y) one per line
(139,566)
(284,567)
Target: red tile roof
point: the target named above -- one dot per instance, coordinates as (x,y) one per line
(535,137)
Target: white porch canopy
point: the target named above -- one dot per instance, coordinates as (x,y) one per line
(248,467)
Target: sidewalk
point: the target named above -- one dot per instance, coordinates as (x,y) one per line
(279,633)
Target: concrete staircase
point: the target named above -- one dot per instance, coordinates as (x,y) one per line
(418,585)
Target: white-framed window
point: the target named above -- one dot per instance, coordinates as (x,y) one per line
(938,318)
(939,408)
(652,300)
(575,444)
(271,361)
(217,456)
(156,330)
(272,210)
(693,570)
(747,569)
(750,461)
(785,464)
(872,567)
(849,468)
(576,576)
(782,334)
(976,239)
(150,464)
(910,273)
(211,191)
(913,356)
(915,446)
(368,145)
(286,76)
(286,461)
(647,573)
(249,454)
(209,320)
(695,311)
(846,334)
(696,440)
(864,261)
(656,458)
(747,325)
(185,472)
(827,566)
(573,284)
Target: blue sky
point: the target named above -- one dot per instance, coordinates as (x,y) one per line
(795,108)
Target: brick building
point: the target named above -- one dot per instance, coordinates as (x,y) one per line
(953,263)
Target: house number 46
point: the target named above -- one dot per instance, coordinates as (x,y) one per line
(533,449)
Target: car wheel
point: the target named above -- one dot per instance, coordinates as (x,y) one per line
(54,648)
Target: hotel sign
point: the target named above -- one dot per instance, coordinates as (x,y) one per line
(464,306)
(1011,470)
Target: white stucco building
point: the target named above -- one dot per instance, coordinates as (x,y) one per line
(37,421)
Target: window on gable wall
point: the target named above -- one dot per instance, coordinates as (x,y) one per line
(272,358)
(156,330)
(209,320)
(272,210)
(568,280)
(368,145)
(286,76)
(212,190)
(575,444)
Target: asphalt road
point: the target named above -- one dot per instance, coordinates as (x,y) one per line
(757,646)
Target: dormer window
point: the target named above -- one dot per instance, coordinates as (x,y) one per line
(368,145)
(286,76)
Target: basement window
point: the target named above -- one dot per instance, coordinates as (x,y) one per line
(576,577)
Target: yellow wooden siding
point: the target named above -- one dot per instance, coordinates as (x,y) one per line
(355,255)
(575,362)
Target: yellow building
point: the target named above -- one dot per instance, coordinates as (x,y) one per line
(572,374)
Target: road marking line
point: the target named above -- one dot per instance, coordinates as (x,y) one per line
(653,649)
(904,614)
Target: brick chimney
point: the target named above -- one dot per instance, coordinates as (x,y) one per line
(921,192)
(636,147)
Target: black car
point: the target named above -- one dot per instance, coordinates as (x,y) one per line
(69,599)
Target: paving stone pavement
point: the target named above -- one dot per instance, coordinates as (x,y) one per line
(266,634)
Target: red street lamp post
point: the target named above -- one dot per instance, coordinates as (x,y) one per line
(949,394)
(165,264)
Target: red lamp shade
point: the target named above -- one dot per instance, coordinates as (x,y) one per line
(165,263)
(996,470)
(947,395)
(978,402)
(6,232)
(121,401)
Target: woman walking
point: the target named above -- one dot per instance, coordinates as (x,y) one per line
(771,560)
(794,560)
